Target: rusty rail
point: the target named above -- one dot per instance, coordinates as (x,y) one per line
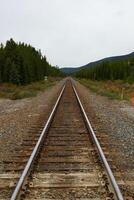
(33,156)
(41,139)
(100,151)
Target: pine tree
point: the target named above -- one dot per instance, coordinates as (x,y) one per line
(22,64)
(14,75)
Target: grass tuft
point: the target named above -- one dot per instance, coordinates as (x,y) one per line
(112,89)
(14,92)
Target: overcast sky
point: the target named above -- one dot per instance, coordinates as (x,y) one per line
(70,32)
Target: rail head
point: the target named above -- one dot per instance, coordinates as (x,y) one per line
(27,169)
(113,182)
(32,158)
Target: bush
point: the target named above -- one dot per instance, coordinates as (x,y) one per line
(23,94)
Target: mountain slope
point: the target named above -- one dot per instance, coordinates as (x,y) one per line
(71,70)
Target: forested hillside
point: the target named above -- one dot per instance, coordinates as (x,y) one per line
(110,70)
(22,64)
(113,59)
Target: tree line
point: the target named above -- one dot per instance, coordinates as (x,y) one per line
(110,70)
(22,64)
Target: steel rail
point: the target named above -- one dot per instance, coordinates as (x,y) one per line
(33,156)
(100,151)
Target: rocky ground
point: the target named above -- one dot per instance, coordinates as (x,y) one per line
(116,120)
(112,117)
(18,116)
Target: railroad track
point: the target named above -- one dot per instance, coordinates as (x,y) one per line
(62,159)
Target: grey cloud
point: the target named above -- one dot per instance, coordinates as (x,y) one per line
(70,32)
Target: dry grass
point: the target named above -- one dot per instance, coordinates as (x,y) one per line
(14,92)
(112,89)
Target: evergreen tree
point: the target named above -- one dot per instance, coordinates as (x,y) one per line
(6,70)
(123,70)
(22,64)
(14,75)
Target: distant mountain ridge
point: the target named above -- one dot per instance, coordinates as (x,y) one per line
(71,70)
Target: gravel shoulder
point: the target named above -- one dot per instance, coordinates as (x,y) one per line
(111,117)
(116,120)
(18,116)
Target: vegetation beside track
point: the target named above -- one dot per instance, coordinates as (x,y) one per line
(112,89)
(112,70)
(22,64)
(23,70)
(11,91)
(112,77)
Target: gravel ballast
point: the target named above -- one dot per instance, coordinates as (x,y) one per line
(116,120)
(112,117)
(18,116)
